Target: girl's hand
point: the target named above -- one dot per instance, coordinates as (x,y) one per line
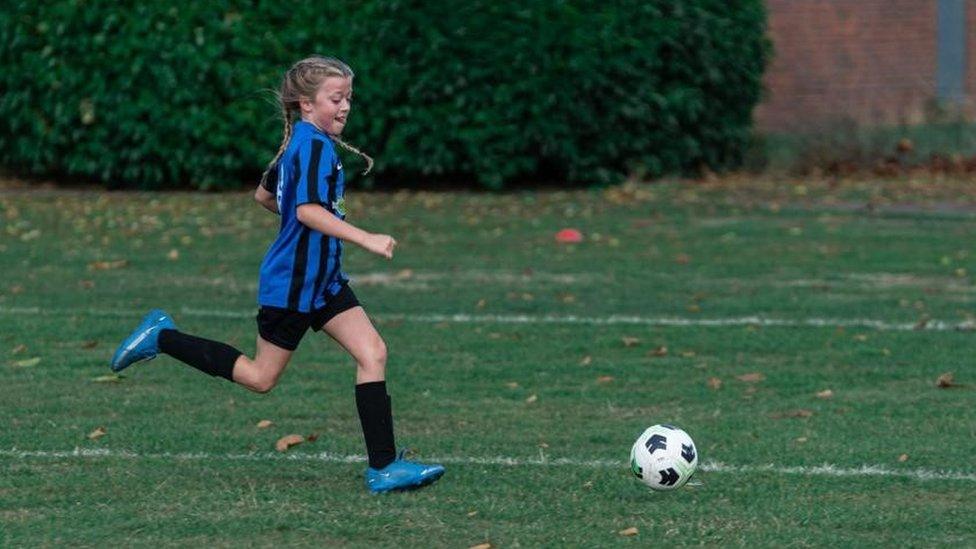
(380,244)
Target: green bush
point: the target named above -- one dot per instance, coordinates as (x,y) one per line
(177,93)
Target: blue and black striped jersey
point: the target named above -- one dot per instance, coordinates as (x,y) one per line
(303,267)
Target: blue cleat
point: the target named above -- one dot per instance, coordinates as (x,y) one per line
(402,475)
(143,342)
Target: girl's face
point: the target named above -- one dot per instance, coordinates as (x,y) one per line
(330,106)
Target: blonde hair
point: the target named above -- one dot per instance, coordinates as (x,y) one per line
(303,80)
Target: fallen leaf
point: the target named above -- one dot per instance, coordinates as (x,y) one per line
(715,383)
(903,458)
(110,378)
(18,349)
(801,440)
(512,385)
(752,377)
(586,360)
(630,341)
(472,513)
(802,413)
(28,363)
(687,354)
(825,394)
(682,259)
(946,381)
(288,441)
(531,399)
(481,304)
(481,546)
(604,379)
(86,284)
(265,423)
(861,337)
(659,351)
(107,265)
(90,344)
(632,531)
(173,254)
(312,437)
(97,433)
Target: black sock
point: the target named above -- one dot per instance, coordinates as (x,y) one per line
(376,417)
(210,357)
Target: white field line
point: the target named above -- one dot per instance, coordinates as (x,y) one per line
(611,320)
(501,461)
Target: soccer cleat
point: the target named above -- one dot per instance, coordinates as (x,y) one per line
(143,342)
(402,475)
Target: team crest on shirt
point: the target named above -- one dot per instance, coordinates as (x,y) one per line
(339,206)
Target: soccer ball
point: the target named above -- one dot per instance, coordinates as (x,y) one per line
(664,457)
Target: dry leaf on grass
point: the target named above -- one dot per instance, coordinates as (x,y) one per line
(630,341)
(312,437)
(825,394)
(27,363)
(751,378)
(110,378)
(512,385)
(531,399)
(90,344)
(107,265)
(659,351)
(481,545)
(265,423)
(288,441)
(586,360)
(632,531)
(97,433)
(604,379)
(715,383)
(903,458)
(18,349)
(803,413)
(946,381)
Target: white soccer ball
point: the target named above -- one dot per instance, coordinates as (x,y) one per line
(664,457)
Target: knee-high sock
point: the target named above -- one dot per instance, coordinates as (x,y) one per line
(376,417)
(208,356)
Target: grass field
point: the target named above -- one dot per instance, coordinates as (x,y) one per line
(527,366)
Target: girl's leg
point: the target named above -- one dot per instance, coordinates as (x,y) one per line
(219,359)
(261,374)
(353,330)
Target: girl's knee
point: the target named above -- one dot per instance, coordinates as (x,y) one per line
(263,385)
(374,356)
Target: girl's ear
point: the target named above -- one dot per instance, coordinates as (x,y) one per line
(305,103)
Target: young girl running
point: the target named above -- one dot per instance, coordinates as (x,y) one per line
(301,283)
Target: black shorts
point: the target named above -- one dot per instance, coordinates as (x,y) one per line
(285,327)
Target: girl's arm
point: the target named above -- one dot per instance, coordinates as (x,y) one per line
(317,218)
(267,199)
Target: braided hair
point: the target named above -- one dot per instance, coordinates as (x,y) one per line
(303,80)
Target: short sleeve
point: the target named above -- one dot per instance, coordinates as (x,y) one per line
(315,163)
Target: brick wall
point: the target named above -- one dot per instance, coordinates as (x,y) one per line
(870,61)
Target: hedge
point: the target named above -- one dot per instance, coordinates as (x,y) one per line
(178,94)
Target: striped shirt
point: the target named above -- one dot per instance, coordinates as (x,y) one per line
(302,268)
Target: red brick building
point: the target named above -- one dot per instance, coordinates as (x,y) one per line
(873,62)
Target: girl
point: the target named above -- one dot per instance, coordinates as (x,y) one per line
(301,282)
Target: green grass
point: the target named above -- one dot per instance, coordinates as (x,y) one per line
(461,390)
